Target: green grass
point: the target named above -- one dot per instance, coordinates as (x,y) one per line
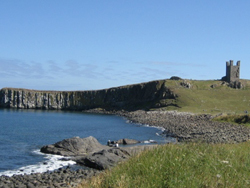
(239,119)
(184,165)
(190,164)
(202,98)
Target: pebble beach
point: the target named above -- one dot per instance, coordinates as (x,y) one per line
(186,127)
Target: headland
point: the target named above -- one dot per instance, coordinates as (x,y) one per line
(185,108)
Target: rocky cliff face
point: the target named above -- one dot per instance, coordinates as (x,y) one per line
(131,97)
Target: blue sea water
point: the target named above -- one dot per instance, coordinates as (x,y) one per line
(24,132)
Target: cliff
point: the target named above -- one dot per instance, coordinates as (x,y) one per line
(131,97)
(198,96)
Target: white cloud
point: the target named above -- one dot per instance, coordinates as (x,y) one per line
(73,75)
(53,67)
(18,68)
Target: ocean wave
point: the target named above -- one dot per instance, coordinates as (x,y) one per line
(51,163)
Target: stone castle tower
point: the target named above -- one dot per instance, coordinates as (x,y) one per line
(232,71)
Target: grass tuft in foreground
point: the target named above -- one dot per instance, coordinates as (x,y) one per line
(181,165)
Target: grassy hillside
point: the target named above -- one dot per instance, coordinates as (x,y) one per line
(184,165)
(190,164)
(209,96)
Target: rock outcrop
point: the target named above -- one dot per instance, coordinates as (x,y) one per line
(74,147)
(89,152)
(104,159)
(131,97)
(126,141)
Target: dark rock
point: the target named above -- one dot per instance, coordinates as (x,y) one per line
(185,84)
(89,152)
(236,85)
(213,86)
(175,78)
(126,141)
(74,146)
(65,159)
(104,159)
(128,97)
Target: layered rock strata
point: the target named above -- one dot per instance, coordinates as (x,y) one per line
(136,96)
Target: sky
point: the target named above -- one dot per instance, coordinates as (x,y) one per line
(98,44)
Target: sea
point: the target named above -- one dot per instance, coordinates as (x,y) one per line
(23,132)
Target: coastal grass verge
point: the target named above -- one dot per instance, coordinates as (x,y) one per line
(237,119)
(181,165)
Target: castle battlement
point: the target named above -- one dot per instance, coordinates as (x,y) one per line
(232,71)
(231,63)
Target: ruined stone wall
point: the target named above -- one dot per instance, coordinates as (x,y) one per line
(125,97)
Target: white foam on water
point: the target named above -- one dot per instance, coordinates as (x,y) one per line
(51,162)
(147,125)
(149,141)
(167,140)
(159,128)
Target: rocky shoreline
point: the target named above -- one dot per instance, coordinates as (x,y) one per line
(64,177)
(185,127)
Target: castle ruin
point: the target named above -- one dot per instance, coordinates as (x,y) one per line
(232,71)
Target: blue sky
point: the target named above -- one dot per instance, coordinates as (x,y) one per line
(97,44)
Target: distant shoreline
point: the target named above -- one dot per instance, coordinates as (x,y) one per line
(185,126)
(188,127)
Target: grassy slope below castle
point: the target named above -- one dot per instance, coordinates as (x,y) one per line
(189,165)
(209,96)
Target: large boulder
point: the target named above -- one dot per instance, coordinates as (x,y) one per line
(74,147)
(104,159)
(126,141)
(89,152)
